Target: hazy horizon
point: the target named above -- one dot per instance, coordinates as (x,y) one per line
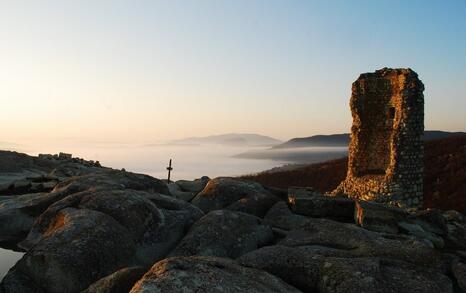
(147,71)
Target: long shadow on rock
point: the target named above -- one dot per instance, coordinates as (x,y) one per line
(316,269)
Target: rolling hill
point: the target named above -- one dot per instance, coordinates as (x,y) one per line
(335,140)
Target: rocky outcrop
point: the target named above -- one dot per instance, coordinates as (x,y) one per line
(224,233)
(459,271)
(177,192)
(419,232)
(377,275)
(17,282)
(154,230)
(42,183)
(18,213)
(22,174)
(79,247)
(194,186)
(108,179)
(15,166)
(187,190)
(100,232)
(431,220)
(234,194)
(207,274)
(456,231)
(296,266)
(281,217)
(310,271)
(377,217)
(308,202)
(359,242)
(120,281)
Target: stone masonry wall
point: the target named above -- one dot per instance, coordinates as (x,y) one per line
(386,149)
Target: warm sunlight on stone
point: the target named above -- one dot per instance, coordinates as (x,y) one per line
(386,149)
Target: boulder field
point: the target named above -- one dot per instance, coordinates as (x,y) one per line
(93,229)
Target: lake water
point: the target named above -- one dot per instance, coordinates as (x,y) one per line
(189,162)
(7,259)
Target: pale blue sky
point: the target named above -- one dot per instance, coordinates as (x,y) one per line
(152,70)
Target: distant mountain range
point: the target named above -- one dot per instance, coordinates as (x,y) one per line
(232,139)
(341,140)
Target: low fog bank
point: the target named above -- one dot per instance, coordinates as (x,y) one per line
(305,155)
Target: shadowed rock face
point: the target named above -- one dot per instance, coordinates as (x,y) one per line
(207,274)
(224,233)
(119,282)
(186,190)
(313,270)
(18,213)
(377,217)
(376,275)
(386,150)
(108,179)
(307,202)
(295,266)
(82,245)
(360,242)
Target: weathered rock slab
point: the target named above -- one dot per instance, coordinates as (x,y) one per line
(360,242)
(236,195)
(224,233)
(91,234)
(456,231)
(291,264)
(177,192)
(459,272)
(79,247)
(313,270)
(354,275)
(194,186)
(109,179)
(378,217)
(207,274)
(120,281)
(280,216)
(18,213)
(154,222)
(307,202)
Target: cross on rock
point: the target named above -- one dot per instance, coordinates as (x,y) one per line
(169,168)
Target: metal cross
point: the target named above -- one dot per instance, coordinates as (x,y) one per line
(169,168)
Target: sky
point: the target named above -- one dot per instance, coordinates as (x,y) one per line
(143,71)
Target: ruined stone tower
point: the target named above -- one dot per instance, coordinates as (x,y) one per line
(386,149)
